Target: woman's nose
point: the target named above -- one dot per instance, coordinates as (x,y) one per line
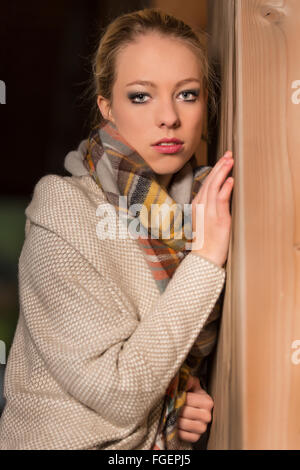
(167,115)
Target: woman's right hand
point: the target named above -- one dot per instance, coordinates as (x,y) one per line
(217,217)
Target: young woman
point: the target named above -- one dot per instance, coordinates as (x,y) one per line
(115,315)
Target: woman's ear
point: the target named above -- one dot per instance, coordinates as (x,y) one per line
(105,108)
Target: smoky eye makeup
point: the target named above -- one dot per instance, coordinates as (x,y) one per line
(140,96)
(137,97)
(193,91)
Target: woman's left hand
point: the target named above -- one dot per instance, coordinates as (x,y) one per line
(195,413)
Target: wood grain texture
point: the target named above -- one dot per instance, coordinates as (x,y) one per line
(255,383)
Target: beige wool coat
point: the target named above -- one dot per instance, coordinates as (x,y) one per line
(96,344)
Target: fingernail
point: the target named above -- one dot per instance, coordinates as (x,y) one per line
(228,154)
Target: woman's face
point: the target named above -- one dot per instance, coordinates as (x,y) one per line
(171,106)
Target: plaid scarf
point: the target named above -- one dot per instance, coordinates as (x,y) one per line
(119,170)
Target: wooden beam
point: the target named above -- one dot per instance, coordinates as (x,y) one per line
(256,371)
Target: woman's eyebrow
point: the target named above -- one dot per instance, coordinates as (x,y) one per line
(147,83)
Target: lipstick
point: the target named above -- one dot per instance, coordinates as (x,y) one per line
(168,146)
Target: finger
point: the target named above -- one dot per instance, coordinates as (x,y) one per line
(199,400)
(227,156)
(199,414)
(191,425)
(195,386)
(224,198)
(214,187)
(203,190)
(188,436)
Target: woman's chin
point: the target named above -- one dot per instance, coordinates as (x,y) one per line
(170,164)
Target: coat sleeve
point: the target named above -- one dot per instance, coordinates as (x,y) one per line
(93,345)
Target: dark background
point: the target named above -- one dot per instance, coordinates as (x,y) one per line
(45,50)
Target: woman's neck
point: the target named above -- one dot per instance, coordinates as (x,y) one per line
(164,180)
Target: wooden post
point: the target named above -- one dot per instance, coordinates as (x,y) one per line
(256,371)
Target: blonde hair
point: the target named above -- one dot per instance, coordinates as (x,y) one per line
(124,30)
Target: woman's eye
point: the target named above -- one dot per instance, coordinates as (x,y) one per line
(192,94)
(138,97)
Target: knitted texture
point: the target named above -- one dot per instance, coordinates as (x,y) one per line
(119,170)
(96,344)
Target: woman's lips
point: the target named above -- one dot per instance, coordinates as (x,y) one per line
(169,149)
